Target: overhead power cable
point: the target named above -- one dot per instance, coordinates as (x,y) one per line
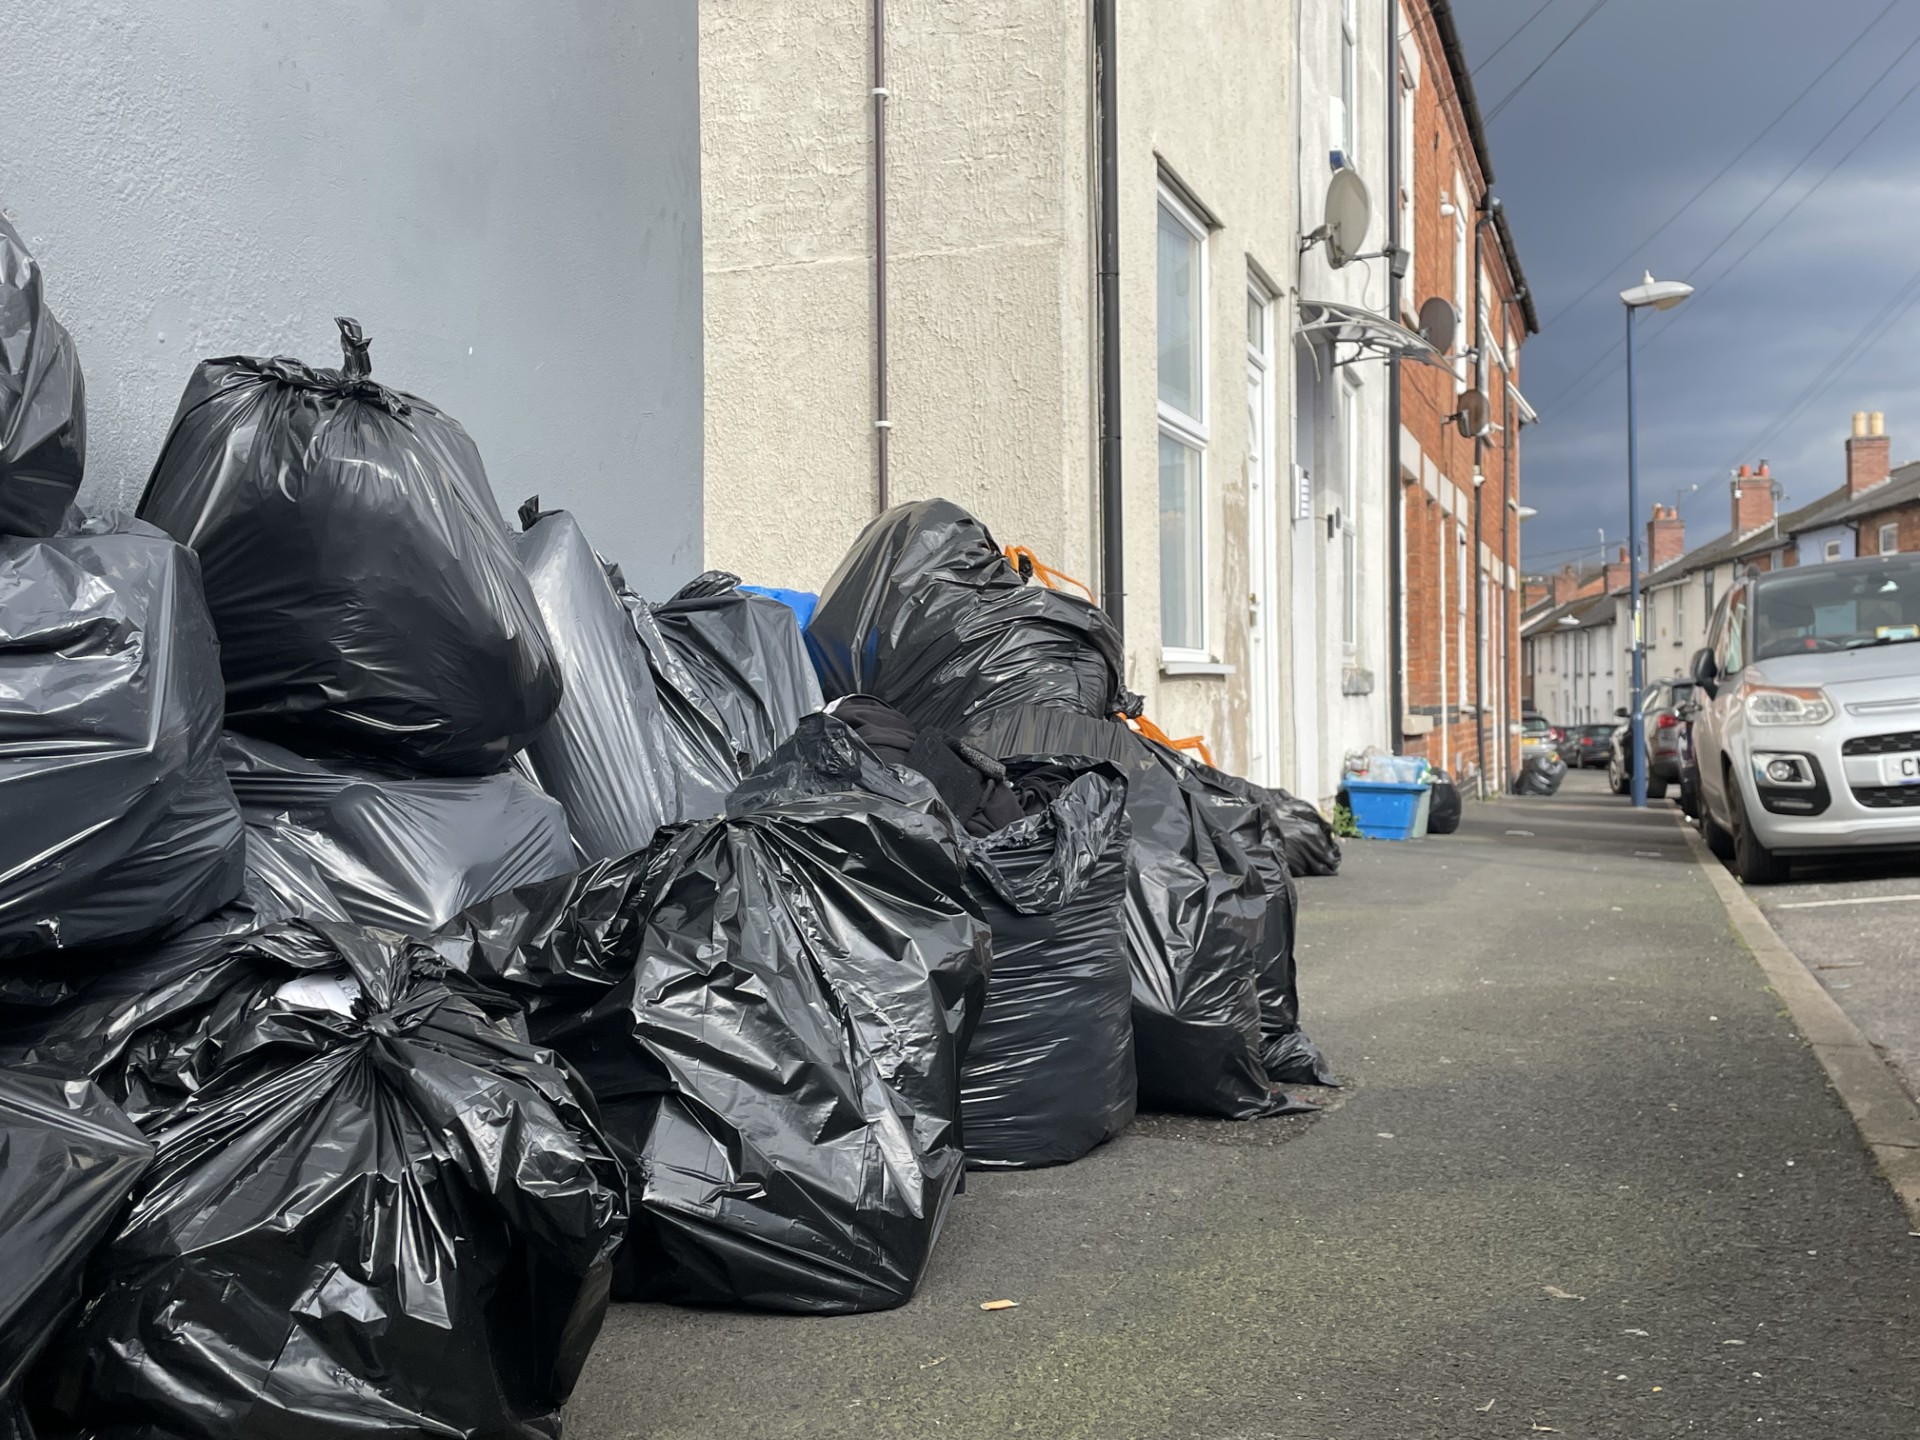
(1507,99)
(1494,53)
(1721,173)
(1568,395)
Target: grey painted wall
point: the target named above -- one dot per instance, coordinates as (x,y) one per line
(507,196)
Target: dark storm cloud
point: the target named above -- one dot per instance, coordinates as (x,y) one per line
(1640,109)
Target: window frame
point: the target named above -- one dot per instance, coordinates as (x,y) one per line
(1830,551)
(1408,115)
(1347,141)
(1884,548)
(1350,459)
(1461,268)
(1190,431)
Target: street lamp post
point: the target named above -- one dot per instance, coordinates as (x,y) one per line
(1656,295)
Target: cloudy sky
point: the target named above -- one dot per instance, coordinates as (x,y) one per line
(1803,253)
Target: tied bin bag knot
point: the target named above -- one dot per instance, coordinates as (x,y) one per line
(356,567)
(383,1211)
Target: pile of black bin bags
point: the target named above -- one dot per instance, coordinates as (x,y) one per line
(412,938)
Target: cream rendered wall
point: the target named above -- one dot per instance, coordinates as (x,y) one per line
(989,286)
(1207,88)
(785,203)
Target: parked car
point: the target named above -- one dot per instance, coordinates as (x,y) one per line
(1807,735)
(1664,729)
(1537,732)
(1585,747)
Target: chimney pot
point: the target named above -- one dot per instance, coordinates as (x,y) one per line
(1869,455)
(1859,423)
(1744,471)
(1763,469)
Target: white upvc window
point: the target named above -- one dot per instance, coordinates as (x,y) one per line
(1460,277)
(1679,614)
(1890,537)
(1411,290)
(1349,515)
(1181,284)
(1831,550)
(1345,138)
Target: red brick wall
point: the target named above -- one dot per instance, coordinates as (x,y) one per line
(1907,517)
(1442,149)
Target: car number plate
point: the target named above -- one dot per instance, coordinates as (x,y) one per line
(1900,769)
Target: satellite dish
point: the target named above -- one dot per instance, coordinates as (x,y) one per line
(1439,323)
(1475,416)
(1349,212)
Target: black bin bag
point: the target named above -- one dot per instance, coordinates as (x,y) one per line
(43,400)
(356,565)
(1540,774)
(116,820)
(605,756)
(400,854)
(1209,925)
(1050,1072)
(780,1070)
(385,1212)
(748,656)
(927,614)
(68,1160)
(1443,814)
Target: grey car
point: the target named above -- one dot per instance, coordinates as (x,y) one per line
(1806,728)
(1664,724)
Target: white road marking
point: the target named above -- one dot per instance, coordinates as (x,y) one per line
(1854,900)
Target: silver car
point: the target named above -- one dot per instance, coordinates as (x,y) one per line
(1806,724)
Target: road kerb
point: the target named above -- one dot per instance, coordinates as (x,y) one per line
(1888,1119)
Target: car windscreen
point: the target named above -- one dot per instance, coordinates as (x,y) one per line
(1595,732)
(1821,608)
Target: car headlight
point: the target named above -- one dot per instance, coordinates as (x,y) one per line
(1788,705)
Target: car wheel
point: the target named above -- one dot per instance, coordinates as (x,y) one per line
(1617,780)
(1718,840)
(1752,861)
(1656,788)
(1690,798)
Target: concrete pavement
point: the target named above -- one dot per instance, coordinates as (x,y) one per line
(1586,1179)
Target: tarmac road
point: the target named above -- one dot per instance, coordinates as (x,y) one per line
(1586,1180)
(1855,922)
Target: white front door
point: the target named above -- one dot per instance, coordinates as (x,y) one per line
(1263,559)
(1304,590)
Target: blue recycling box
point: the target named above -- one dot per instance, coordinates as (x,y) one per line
(1386,809)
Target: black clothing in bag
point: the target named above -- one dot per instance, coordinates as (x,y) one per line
(780,1070)
(356,565)
(927,614)
(118,820)
(1050,1072)
(43,401)
(605,756)
(385,1213)
(70,1159)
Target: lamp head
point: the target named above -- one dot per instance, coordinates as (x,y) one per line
(1655,294)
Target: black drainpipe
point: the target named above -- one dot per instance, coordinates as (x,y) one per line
(1396,269)
(882,417)
(1113,598)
